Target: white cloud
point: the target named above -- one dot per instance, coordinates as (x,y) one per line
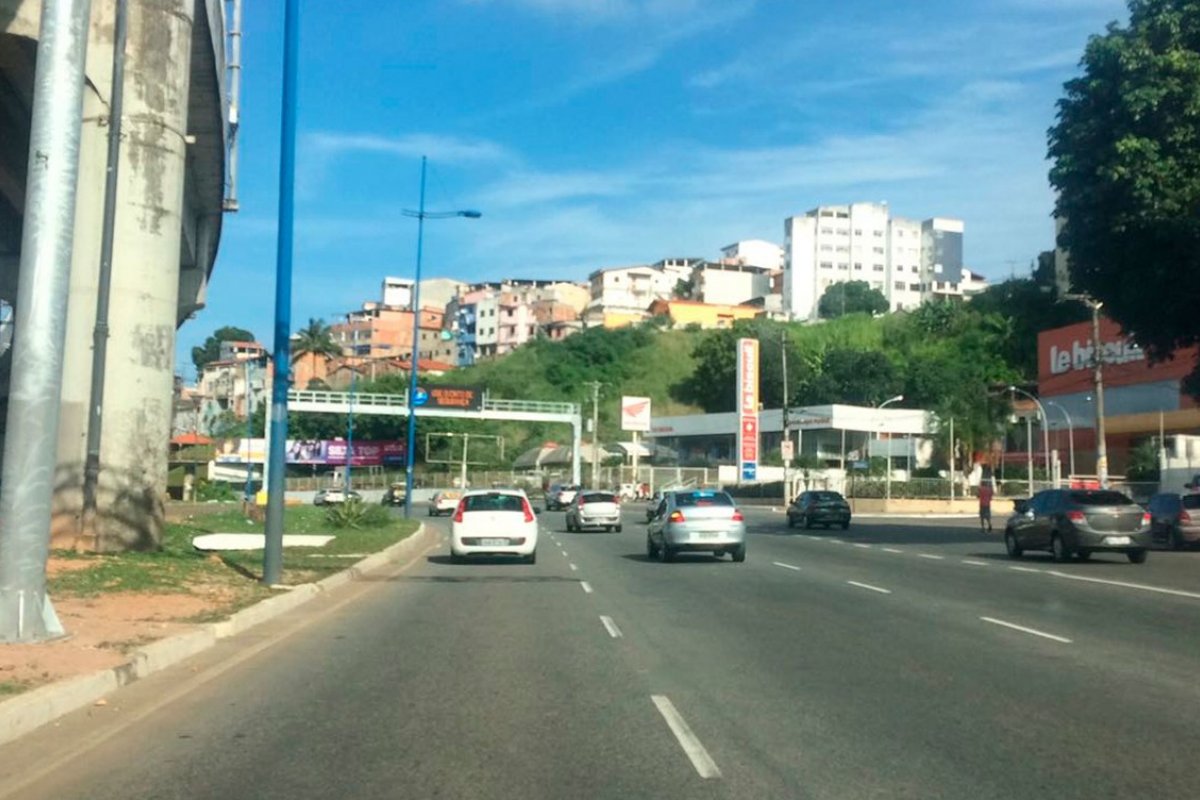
(445,149)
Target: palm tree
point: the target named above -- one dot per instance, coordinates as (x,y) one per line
(315,340)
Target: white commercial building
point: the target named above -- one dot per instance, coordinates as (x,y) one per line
(906,260)
(755,253)
(729,282)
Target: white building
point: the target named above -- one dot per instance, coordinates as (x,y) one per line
(729,282)
(397,292)
(907,261)
(755,253)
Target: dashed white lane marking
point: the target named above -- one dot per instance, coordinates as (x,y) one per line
(701,760)
(879,589)
(974,563)
(931,556)
(573,568)
(892,550)
(1024,569)
(785,566)
(587,587)
(1023,629)
(863,546)
(611,627)
(1126,585)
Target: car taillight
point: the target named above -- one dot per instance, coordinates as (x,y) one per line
(737,516)
(528,509)
(1146,519)
(1185,517)
(1076,516)
(458,511)
(676,516)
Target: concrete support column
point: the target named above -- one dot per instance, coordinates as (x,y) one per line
(146,260)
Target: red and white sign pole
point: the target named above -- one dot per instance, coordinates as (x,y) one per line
(747,389)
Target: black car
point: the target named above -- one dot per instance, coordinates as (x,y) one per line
(819,508)
(394,495)
(1175,519)
(1078,522)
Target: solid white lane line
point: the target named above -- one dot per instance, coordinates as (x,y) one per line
(1024,569)
(785,566)
(869,586)
(611,627)
(931,556)
(1023,629)
(701,760)
(863,546)
(892,550)
(573,568)
(1126,585)
(587,587)
(974,563)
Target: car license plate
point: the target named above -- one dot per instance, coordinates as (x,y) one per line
(1116,540)
(495,542)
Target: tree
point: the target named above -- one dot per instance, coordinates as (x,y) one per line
(851,297)
(314,341)
(1126,165)
(211,349)
(854,377)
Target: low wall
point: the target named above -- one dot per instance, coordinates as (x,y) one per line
(898,505)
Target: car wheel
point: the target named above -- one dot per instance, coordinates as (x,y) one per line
(791,521)
(455,558)
(846,525)
(1059,548)
(1083,555)
(665,554)
(807,523)
(1174,540)
(531,558)
(739,554)
(1136,556)
(1010,544)
(617,529)
(651,549)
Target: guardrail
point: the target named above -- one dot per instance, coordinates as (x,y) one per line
(400,400)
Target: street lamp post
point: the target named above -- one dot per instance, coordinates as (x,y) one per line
(350,430)
(887,497)
(1045,433)
(409,447)
(1070,432)
(1098,378)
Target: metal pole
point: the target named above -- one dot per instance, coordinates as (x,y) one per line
(952,469)
(350,431)
(235,104)
(595,434)
(463,479)
(1029,450)
(409,450)
(1097,355)
(273,550)
(91,468)
(1070,432)
(786,436)
(248,492)
(40,323)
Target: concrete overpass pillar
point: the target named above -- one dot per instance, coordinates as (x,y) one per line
(146,260)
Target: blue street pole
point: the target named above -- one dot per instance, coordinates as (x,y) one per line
(273,549)
(350,431)
(414,359)
(410,439)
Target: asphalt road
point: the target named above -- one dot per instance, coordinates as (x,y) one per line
(899,659)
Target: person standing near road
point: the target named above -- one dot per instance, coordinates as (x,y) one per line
(985,506)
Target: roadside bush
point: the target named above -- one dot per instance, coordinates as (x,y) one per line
(214,490)
(357,515)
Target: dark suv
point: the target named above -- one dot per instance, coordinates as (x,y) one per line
(1175,519)
(1078,522)
(819,508)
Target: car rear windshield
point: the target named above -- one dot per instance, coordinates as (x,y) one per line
(1100,498)
(599,497)
(1191,501)
(826,496)
(703,499)
(494,502)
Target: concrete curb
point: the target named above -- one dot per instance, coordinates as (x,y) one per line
(25,712)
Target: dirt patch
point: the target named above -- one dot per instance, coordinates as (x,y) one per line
(102,631)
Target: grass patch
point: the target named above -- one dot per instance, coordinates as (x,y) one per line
(180,568)
(8,688)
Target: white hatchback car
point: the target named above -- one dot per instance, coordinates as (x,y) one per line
(494,522)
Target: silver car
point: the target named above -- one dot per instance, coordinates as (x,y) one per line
(594,510)
(696,520)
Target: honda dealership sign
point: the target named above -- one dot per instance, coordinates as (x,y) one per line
(747,404)
(635,413)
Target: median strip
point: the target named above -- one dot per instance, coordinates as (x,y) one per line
(1023,629)
(701,760)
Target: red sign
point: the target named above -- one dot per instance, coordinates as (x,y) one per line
(747,389)
(1066,359)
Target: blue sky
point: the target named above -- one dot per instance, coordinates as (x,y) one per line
(594,133)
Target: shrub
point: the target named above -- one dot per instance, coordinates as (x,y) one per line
(356,514)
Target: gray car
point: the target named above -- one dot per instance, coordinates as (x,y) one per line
(1078,522)
(696,520)
(594,510)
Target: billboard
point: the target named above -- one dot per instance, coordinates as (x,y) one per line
(1065,360)
(635,414)
(314,452)
(747,407)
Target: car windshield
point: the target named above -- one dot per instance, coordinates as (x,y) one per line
(493,502)
(685,499)
(1099,498)
(1191,501)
